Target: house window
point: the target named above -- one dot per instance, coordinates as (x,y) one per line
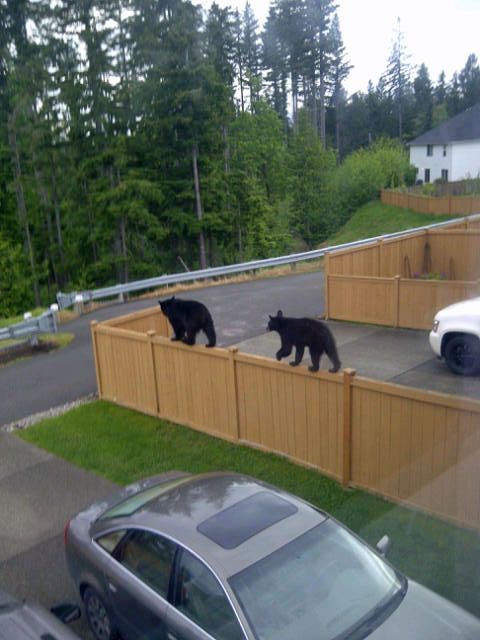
(427,175)
(429,149)
(444,150)
(445,175)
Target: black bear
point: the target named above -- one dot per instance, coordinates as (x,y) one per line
(187,318)
(301,333)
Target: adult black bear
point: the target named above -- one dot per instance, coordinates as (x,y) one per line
(301,333)
(187,318)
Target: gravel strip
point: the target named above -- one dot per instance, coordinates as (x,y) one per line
(24,423)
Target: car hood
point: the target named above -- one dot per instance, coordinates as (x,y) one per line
(466,308)
(425,615)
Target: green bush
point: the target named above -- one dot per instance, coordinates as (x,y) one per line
(365,172)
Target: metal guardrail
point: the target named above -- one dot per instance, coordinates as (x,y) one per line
(65,300)
(46,323)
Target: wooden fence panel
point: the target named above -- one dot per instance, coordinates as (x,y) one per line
(151,319)
(291,412)
(196,387)
(419,300)
(419,448)
(359,260)
(436,205)
(124,368)
(359,299)
(456,253)
(402,256)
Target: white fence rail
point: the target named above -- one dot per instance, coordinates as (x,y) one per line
(65,300)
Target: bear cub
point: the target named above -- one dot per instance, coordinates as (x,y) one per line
(301,333)
(187,318)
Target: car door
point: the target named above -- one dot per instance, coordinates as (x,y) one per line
(138,581)
(200,609)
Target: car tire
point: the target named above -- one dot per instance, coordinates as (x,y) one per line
(98,618)
(462,355)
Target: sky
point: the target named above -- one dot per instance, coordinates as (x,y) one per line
(439,33)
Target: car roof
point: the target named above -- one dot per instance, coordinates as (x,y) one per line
(228,519)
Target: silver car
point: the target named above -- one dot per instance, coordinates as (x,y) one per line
(225,556)
(21,620)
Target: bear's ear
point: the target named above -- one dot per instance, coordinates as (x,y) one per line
(279,313)
(271,317)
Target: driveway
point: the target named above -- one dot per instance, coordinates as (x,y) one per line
(38,495)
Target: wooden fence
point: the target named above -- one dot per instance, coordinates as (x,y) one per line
(443,205)
(417,448)
(382,283)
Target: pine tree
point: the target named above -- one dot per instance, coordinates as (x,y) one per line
(397,79)
(423,93)
(469,81)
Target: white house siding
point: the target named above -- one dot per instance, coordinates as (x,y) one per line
(436,162)
(462,160)
(465,160)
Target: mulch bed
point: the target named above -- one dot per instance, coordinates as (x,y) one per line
(25,350)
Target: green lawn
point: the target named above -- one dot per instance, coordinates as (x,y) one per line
(375,219)
(123,446)
(6,322)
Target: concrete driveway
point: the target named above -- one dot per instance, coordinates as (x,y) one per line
(38,494)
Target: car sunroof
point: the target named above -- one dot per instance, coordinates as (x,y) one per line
(246,518)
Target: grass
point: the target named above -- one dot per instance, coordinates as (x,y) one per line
(375,219)
(124,445)
(6,322)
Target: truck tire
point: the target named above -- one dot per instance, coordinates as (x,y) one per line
(462,355)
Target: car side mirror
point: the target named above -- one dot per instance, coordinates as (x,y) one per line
(383,545)
(66,612)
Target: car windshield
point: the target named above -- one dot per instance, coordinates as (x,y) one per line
(325,584)
(136,501)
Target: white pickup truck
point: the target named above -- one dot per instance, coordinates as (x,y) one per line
(455,336)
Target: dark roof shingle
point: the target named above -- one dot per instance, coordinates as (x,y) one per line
(463,126)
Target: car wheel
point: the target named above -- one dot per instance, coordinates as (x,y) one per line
(462,355)
(98,618)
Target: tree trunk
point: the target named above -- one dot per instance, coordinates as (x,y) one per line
(198,206)
(21,207)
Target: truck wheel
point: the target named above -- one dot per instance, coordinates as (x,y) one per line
(462,355)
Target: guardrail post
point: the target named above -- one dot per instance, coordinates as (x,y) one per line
(348,375)
(78,307)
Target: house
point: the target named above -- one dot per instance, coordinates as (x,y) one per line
(450,151)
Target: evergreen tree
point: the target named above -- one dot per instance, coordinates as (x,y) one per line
(422,88)
(397,79)
(469,81)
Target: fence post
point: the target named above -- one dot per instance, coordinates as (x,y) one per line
(396,283)
(151,334)
(233,390)
(347,426)
(326,271)
(93,332)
